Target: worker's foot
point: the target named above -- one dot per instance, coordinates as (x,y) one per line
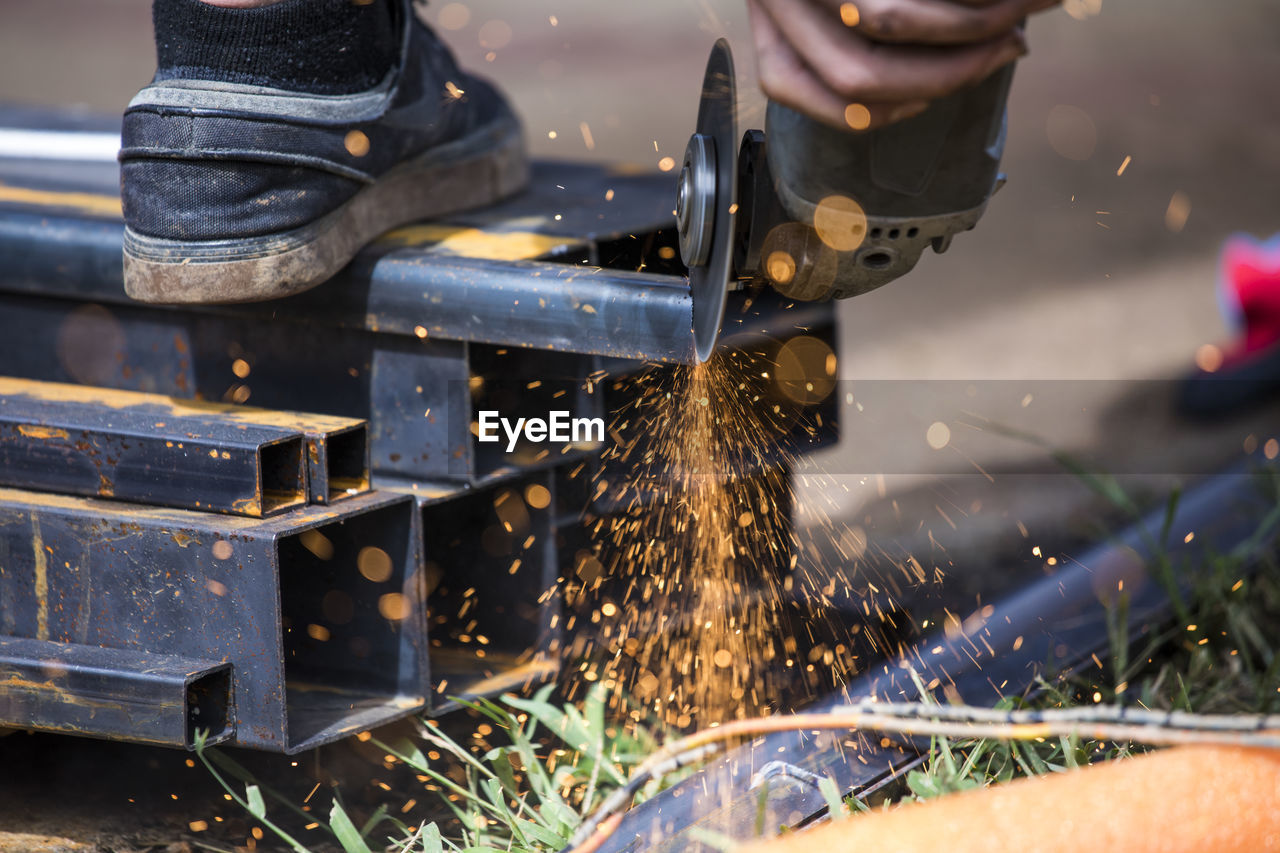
(275,142)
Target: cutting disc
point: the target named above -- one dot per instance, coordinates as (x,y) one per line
(706,198)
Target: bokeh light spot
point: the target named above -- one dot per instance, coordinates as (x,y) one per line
(453,16)
(537,496)
(800,370)
(780,266)
(587,567)
(91,345)
(1178,211)
(938,435)
(495,34)
(857,116)
(1209,358)
(1071,132)
(393,606)
(356,143)
(374,564)
(840,223)
(512,513)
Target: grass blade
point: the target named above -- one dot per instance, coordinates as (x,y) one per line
(348,836)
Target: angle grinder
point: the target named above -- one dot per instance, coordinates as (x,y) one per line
(819,212)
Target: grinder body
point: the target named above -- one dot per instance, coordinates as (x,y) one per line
(829,213)
(819,212)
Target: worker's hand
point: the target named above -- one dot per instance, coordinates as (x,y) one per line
(872,62)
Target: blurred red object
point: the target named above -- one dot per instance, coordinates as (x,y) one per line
(1249,289)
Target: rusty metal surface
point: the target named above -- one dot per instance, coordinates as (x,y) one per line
(418,395)
(1052,625)
(570,307)
(415,394)
(336,448)
(314,609)
(337,463)
(533,304)
(144,448)
(114,693)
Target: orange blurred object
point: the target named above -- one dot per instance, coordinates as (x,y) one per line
(1195,798)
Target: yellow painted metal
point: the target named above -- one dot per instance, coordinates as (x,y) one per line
(94,204)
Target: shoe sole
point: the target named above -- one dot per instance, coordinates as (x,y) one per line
(444,180)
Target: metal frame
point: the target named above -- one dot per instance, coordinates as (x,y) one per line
(288,601)
(533,304)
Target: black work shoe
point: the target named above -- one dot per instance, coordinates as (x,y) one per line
(243,193)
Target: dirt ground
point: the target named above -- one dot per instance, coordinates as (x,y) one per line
(1078,272)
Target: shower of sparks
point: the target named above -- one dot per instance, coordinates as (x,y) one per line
(702,609)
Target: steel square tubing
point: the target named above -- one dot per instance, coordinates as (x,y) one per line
(145,448)
(337,448)
(350,376)
(119,694)
(416,394)
(337,461)
(516,384)
(534,304)
(469,279)
(314,609)
(490,574)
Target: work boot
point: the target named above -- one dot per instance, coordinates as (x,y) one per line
(275,142)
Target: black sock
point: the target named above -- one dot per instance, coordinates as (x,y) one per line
(325,47)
